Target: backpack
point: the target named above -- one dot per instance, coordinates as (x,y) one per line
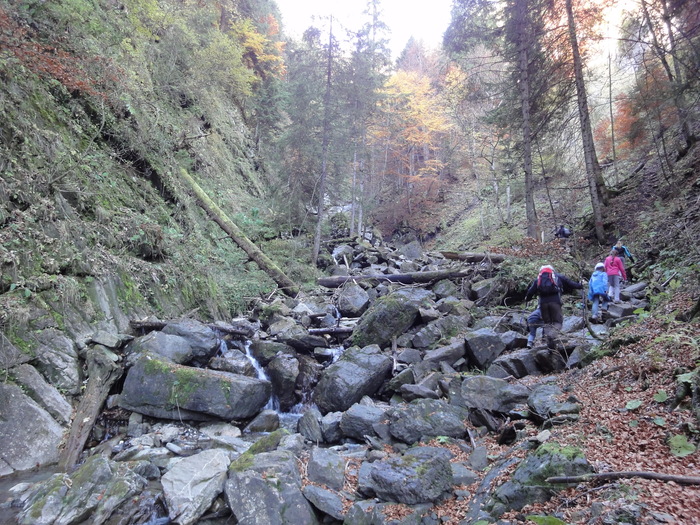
(548,283)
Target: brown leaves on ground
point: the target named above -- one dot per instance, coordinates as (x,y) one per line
(624,425)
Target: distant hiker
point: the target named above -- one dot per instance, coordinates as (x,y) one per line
(598,291)
(534,321)
(624,253)
(548,287)
(562,232)
(615,269)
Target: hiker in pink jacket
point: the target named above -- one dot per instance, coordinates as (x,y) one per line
(615,269)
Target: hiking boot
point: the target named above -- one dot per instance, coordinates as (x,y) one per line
(530,344)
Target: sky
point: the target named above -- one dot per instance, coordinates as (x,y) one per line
(423,20)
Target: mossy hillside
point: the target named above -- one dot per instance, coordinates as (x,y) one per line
(87,189)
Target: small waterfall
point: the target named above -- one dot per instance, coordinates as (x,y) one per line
(273,403)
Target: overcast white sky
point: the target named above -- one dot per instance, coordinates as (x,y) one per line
(424,20)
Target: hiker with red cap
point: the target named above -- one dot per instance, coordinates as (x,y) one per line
(548,287)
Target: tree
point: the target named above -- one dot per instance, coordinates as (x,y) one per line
(595,177)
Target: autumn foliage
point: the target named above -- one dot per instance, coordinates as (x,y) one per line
(18,43)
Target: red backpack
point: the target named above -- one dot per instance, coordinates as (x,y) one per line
(548,283)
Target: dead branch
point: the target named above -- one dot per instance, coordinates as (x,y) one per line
(586,478)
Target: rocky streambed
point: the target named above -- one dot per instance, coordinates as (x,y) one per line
(365,403)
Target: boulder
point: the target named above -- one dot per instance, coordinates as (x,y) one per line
(264,351)
(483,346)
(528,484)
(326,467)
(388,317)
(359,420)
(28,433)
(283,372)
(353,300)
(203,340)
(409,479)
(92,492)
(265,488)
(358,372)
(46,395)
(519,363)
(490,393)
(173,347)
(449,354)
(193,483)
(426,418)
(156,387)
(57,360)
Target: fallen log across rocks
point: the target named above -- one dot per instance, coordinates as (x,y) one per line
(474,257)
(403,278)
(103,373)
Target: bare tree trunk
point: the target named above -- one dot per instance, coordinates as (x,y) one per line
(102,374)
(324,147)
(596,184)
(524,85)
(263,261)
(612,120)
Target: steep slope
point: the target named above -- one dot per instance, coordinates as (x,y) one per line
(102,105)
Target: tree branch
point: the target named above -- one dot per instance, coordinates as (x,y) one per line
(586,478)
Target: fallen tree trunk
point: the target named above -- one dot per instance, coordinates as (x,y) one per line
(102,374)
(333,330)
(159,325)
(263,261)
(474,257)
(404,278)
(683,480)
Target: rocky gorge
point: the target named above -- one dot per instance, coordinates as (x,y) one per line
(365,403)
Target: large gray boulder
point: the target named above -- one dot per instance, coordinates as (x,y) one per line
(57,359)
(483,346)
(449,353)
(203,340)
(528,484)
(353,300)
(46,395)
(174,347)
(28,433)
(283,372)
(265,489)
(193,483)
(426,418)
(264,351)
(359,372)
(490,393)
(157,387)
(519,363)
(388,317)
(326,467)
(411,479)
(93,492)
(359,421)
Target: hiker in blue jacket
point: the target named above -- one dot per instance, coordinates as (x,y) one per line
(598,291)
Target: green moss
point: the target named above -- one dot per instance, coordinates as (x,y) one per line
(185,385)
(242,462)
(569,453)
(270,442)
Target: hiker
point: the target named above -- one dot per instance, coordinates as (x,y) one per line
(562,232)
(624,253)
(598,291)
(615,269)
(534,321)
(548,287)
